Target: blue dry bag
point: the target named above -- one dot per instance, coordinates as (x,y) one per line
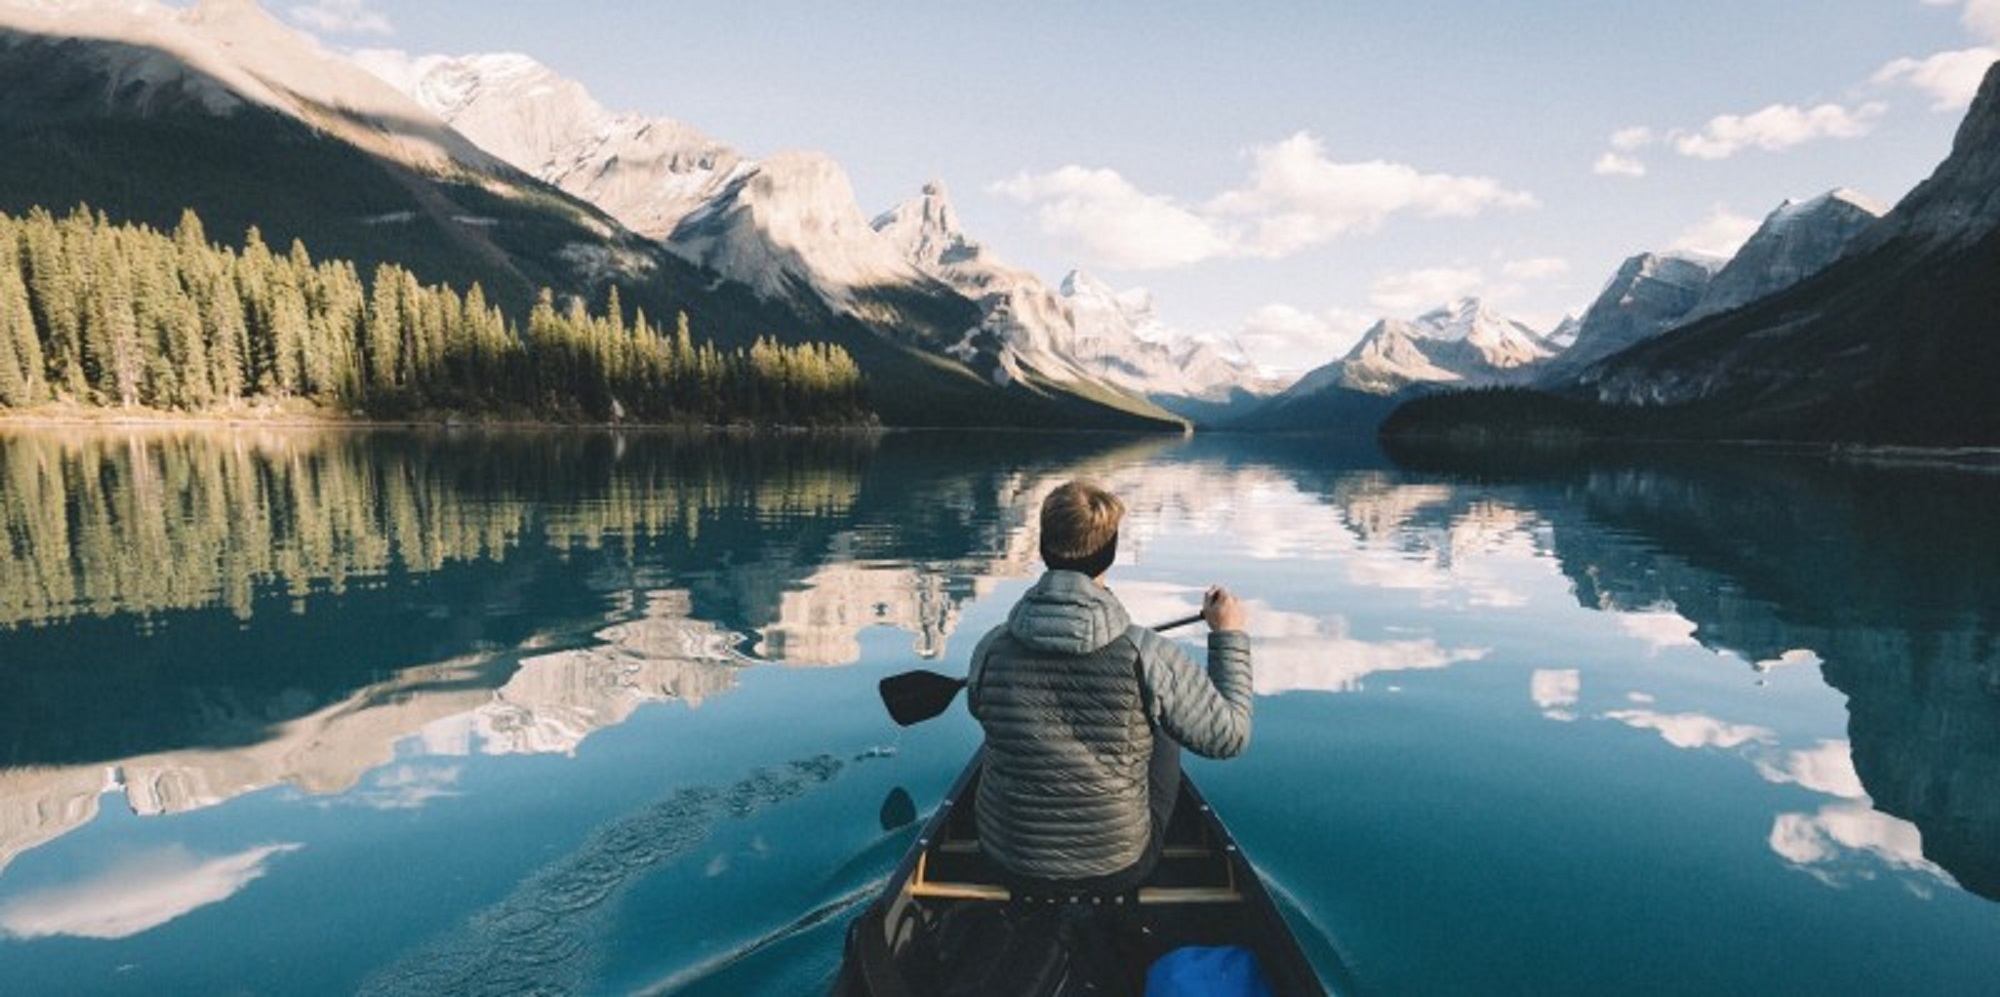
(1198,971)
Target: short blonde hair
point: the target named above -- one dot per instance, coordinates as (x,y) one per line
(1080,525)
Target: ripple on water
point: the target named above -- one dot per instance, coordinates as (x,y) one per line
(535,940)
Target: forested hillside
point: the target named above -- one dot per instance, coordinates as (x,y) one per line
(100,314)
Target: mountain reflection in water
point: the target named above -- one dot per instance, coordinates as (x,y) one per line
(189,617)
(1884,577)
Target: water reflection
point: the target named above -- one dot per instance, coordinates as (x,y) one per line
(135,893)
(1879,578)
(189,618)
(181,608)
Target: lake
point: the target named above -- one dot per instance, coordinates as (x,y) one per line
(302,712)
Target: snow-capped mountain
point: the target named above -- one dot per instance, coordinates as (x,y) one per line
(1650,293)
(1653,293)
(1120,339)
(649,173)
(1464,344)
(1794,242)
(219,56)
(1897,342)
(143,110)
(788,226)
(1083,330)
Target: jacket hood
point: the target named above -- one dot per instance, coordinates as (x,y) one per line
(1068,613)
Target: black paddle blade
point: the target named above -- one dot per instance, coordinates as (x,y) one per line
(914,697)
(898,810)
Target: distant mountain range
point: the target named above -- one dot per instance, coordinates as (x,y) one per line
(1893,339)
(1896,342)
(1833,321)
(1469,345)
(789,227)
(141,109)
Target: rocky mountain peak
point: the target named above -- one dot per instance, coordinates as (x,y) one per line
(1960,203)
(926,229)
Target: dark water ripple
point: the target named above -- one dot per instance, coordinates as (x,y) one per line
(536,941)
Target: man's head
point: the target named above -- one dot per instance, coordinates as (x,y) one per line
(1080,528)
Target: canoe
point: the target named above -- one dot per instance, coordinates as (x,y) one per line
(946,924)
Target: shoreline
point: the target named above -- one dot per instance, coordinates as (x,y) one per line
(306,417)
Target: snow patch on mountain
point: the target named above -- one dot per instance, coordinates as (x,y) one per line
(1794,242)
(789,225)
(1083,330)
(1465,343)
(648,173)
(219,54)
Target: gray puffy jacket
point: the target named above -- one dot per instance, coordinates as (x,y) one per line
(1070,694)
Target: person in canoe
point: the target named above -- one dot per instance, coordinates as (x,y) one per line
(1085,714)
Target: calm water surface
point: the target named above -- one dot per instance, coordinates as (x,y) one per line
(298,712)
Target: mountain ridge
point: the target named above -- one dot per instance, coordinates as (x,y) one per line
(1896,342)
(147,116)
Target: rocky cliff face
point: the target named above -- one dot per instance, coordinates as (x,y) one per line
(1464,344)
(1960,203)
(1898,341)
(216,57)
(790,225)
(1798,240)
(1650,293)
(649,173)
(1084,330)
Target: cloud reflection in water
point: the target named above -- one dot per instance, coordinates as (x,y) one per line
(135,894)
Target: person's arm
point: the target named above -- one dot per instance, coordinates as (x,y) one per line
(1206,710)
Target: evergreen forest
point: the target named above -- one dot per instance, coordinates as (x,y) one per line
(106,315)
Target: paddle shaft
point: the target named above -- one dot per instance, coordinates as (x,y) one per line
(916,696)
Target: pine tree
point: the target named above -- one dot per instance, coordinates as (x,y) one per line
(382,344)
(55,296)
(21,376)
(227,337)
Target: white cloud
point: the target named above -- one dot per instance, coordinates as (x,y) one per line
(409,787)
(1406,293)
(1776,128)
(1295,198)
(1827,768)
(1619,162)
(1798,657)
(1692,730)
(1950,78)
(1660,629)
(1613,164)
(1117,224)
(1633,138)
(343,17)
(135,895)
(1850,830)
(396,67)
(1980,17)
(1297,652)
(1298,197)
(1539,268)
(1721,234)
(1287,339)
(1555,690)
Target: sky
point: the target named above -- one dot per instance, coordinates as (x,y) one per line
(1281,175)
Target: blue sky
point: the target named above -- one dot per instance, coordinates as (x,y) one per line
(1284,173)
